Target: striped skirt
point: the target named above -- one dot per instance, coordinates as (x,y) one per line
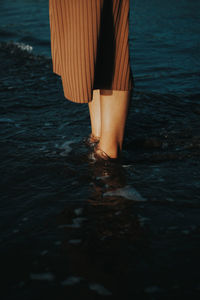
(90,46)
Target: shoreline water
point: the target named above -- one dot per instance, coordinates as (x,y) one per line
(74,228)
(70,227)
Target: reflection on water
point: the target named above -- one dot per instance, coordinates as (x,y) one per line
(108,239)
(109,182)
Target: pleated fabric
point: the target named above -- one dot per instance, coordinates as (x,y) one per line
(90,46)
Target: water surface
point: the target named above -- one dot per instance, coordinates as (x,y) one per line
(67,222)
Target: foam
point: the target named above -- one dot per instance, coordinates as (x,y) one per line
(42,276)
(44,252)
(75,241)
(76,223)
(78,211)
(58,243)
(65,147)
(24,47)
(6,120)
(143,220)
(153,289)
(100,289)
(127,192)
(71,280)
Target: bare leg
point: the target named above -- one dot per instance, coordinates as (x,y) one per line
(114,109)
(95,113)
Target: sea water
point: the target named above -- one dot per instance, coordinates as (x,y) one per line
(46,173)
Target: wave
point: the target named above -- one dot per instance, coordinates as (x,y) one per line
(19,49)
(24,47)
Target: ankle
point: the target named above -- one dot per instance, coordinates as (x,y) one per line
(112,150)
(95,136)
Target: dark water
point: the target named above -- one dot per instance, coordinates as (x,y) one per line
(70,226)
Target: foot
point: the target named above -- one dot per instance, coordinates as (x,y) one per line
(93,138)
(99,154)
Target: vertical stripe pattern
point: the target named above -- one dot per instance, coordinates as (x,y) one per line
(89,46)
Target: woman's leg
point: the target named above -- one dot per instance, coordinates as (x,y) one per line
(95,114)
(114,109)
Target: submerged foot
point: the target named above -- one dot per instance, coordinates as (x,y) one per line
(92,140)
(101,155)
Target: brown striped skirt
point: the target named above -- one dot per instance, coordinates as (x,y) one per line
(90,46)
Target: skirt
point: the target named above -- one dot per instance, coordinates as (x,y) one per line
(90,46)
